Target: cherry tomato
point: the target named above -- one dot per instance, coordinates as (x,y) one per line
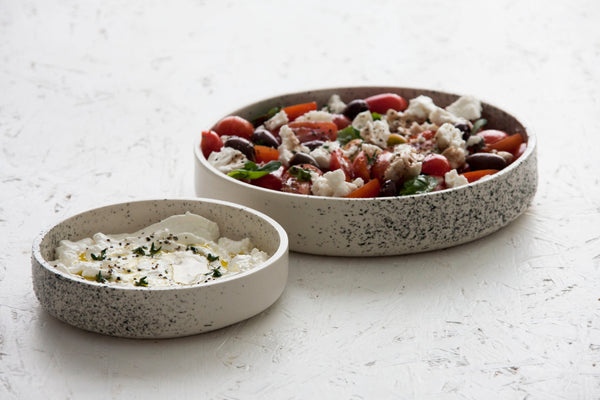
(491,136)
(309,131)
(370,189)
(339,161)
(297,110)
(235,126)
(380,103)
(210,142)
(293,184)
(361,167)
(435,164)
(473,176)
(265,153)
(341,121)
(271,181)
(381,164)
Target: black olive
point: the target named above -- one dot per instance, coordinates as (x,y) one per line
(313,144)
(243,145)
(263,137)
(388,189)
(464,128)
(355,107)
(303,158)
(479,161)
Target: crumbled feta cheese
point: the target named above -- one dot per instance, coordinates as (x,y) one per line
(322,154)
(370,149)
(376,132)
(457,156)
(227,159)
(362,119)
(333,184)
(474,140)
(420,107)
(439,116)
(467,107)
(406,163)
(352,148)
(336,105)
(290,145)
(449,136)
(315,116)
(453,179)
(277,120)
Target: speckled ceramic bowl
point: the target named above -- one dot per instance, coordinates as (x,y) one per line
(384,226)
(140,312)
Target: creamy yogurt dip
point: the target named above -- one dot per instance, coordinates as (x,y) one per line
(179,250)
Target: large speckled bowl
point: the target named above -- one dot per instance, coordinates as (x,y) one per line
(143,312)
(384,226)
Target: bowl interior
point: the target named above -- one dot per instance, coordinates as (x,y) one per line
(235,222)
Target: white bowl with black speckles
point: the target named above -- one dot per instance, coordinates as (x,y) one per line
(388,225)
(142,312)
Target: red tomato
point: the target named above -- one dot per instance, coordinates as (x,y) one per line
(341,121)
(265,153)
(210,142)
(297,110)
(435,164)
(491,136)
(339,161)
(510,143)
(380,103)
(235,126)
(271,181)
(361,167)
(381,164)
(308,131)
(292,184)
(370,189)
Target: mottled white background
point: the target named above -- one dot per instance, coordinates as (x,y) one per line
(101,101)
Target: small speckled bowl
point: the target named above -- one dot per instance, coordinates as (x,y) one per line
(391,225)
(139,312)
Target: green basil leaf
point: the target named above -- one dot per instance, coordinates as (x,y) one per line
(347,134)
(262,118)
(419,184)
(300,173)
(477,125)
(253,171)
(376,116)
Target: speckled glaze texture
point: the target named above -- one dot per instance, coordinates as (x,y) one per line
(385,226)
(162,312)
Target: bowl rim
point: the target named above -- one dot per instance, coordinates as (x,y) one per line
(531,146)
(281,251)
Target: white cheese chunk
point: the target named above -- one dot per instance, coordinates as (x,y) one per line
(277,120)
(453,179)
(333,184)
(467,107)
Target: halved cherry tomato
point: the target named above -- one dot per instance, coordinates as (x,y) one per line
(292,184)
(361,167)
(341,121)
(265,153)
(435,164)
(369,189)
(309,131)
(381,164)
(271,181)
(491,136)
(473,176)
(297,110)
(210,142)
(235,126)
(510,143)
(380,103)
(339,161)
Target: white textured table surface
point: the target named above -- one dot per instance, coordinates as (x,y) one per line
(100,102)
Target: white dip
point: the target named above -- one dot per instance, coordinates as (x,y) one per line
(179,250)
